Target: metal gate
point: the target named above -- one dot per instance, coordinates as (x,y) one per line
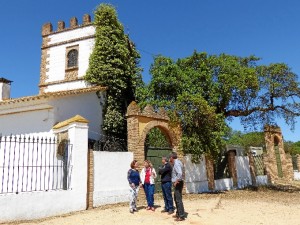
(278,161)
(259,165)
(154,154)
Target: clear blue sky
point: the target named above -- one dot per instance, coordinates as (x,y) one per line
(269,29)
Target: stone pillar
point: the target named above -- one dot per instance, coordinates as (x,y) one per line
(289,168)
(77,129)
(273,136)
(232,167)
(210,173)
(252,169)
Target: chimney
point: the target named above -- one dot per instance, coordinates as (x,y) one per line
(4,89)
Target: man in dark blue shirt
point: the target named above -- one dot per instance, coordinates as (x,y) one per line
(166,184)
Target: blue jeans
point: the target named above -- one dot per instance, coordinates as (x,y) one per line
(149,192)
(167,193)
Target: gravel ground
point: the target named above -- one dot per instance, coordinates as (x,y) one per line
(261,206)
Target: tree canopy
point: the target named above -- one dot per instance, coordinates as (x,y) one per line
(114,64)
(204,91)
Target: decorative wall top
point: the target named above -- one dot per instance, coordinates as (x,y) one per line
(272,129)
(47,28)
(134,110)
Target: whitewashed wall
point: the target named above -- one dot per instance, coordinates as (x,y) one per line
(195,175)
(38,119)
(296,175)
(243,171)
(87,105)
(110,177)
(33,205)
(223,184)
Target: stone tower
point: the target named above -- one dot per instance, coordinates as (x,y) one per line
(65,55)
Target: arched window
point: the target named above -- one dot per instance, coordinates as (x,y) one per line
(72,58)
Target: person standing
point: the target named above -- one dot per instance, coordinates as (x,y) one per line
(178,185)
(133,177)
(165,173)
(148,175)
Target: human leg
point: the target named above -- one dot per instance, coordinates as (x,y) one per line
(146,189)
(169,199)
(151,190)
(163,188)
(178,200)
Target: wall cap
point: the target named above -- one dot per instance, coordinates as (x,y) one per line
(75,119)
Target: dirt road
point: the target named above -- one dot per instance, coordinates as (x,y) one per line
(262,207)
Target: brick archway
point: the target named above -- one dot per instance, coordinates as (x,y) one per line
(140,122)
(273,136)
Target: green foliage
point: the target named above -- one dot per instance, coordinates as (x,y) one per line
(205,91)
(156,138)
(255,139)
(114,64)
(292,148)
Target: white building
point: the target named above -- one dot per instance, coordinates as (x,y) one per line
(63,93)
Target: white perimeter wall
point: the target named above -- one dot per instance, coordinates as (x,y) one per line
(195,175)
(243,171)
(110,177)
(32,205)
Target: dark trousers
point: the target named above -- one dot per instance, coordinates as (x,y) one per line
(178,200)
(167,193)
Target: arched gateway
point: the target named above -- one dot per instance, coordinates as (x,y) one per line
(140,122)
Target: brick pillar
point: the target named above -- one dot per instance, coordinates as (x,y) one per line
(210,173)
(232,167)
(90,180)
(252,169)
(289,167)
(298,162)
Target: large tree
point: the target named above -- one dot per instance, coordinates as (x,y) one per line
(114,64)
(205,91)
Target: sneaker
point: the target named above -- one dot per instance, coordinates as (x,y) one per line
(135,210)
(171,212)
(131,210)
(164,211)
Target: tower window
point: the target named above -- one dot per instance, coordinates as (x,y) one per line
(72,58)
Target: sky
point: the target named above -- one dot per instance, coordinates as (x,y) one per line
(269,29)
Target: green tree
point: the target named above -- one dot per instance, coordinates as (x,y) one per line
(114,64)
(205,91)
(255,139)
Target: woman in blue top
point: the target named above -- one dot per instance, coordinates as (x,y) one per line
(133,177)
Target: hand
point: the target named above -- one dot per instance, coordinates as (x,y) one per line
(132,185)
(175,183)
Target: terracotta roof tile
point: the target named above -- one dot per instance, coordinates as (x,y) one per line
(53,94)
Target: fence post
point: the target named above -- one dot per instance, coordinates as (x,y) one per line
(210,172)
(252,169)
(232,167)
(77,129)
(90,180)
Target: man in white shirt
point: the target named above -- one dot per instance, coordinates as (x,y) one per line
(178,185)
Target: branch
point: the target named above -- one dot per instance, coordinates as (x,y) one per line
(237,113)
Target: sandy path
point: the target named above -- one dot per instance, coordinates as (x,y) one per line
(231,208)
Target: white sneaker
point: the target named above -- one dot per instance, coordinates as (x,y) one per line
(131,210)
